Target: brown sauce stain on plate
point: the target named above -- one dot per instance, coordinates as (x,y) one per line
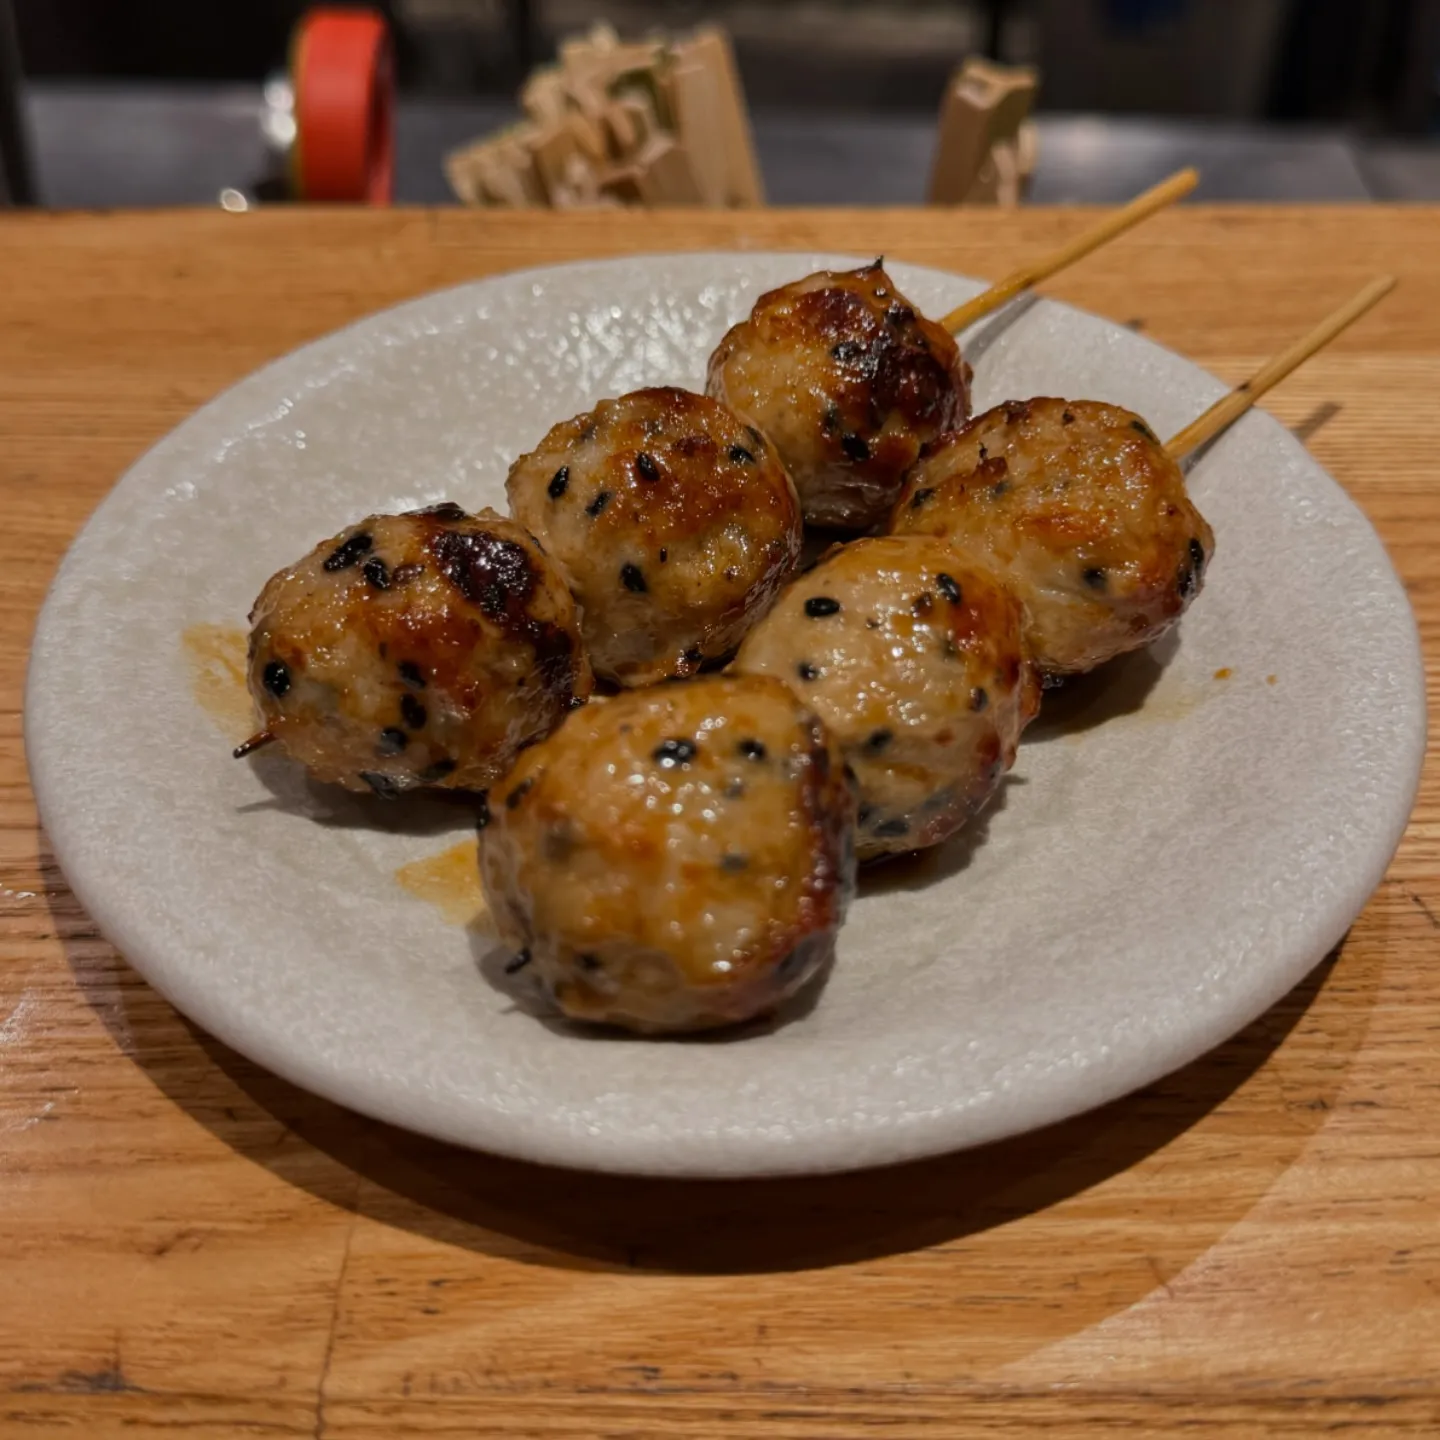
(217,655)
(450,881)
(1224,674)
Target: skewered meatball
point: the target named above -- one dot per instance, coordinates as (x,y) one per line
(675,525)
(913,658)
(848,381)
(417,649)
(1082,510)
(677,858)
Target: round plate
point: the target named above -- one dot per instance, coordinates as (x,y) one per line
(1182,839)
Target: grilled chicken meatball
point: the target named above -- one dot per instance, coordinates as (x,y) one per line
(677,858)
(675,526)
(417,649)
(1080,507)
(913,659)
(848,381)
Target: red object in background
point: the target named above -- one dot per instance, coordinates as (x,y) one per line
(344,79)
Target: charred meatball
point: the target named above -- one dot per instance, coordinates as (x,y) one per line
(674,523)
(1081,508)
(417,649)
(849,381)
(677,858)
(913,658)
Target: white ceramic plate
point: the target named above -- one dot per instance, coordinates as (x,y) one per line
(1172,855)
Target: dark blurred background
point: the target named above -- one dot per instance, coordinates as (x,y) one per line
(157,102)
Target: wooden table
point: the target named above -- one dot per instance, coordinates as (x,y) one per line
(189,1246)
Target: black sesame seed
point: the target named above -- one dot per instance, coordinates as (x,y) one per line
(734,864)
(588,961)
(1197,554)
(558,483)
(888,829)
(276,677)
(847,350)
(632,577)
(921,497)
(664,554)
(751,749)
(693,656)
(854,446)
(1186,582)
(392,741)
(978,699)
(444,510)
(518,793)
(670,753)
(984,452)
(865,815)
(646,468)
(348,552)
(482,810)
(879,739)
(1094,577)
(899,314)
(871,623)
(521,960)
(377,572)
(594,508)
(923,604)
(404,574)
(412,675)
(999,488)
(735,789)
(741,456)
(806,671)
(439,770)
(819,606)
(413,712)
(949,587)
(382,785)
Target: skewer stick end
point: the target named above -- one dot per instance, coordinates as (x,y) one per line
(258,741)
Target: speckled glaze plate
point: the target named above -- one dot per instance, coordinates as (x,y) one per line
(1181,841)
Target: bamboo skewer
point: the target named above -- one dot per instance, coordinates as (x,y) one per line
(1140,208)
(1228,410)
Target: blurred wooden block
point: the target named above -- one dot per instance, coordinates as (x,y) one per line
(660,175)
(695,98)
(710,50)
(985,108)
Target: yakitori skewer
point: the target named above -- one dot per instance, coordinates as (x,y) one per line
(1226,412)
(850,382)
(1167,192)
(1084,509)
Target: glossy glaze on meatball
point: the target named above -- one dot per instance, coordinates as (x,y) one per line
(675,524)
(417,649)
(913,658)
(677,858)
(849,381)
(1079,506)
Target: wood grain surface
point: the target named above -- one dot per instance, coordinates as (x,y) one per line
(190,1246)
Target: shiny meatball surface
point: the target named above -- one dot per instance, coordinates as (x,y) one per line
(849,381)
(674,859)
(675,524)
(1081,509)
(418,649)
(913,658)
